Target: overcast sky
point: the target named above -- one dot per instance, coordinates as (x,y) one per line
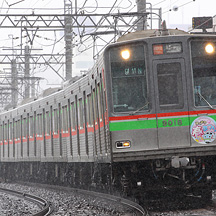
(177,13)
(186,8)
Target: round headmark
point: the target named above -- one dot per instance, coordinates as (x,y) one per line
(203,130)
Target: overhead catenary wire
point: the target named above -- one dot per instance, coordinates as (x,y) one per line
(81,35)
(180,6)
(47,45)
(95,8)
(2,5)
(84,37)
(159,2)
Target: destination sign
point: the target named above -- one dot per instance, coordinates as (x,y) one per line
(124,70)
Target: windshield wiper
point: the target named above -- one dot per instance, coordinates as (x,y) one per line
(205,100)
(120,105)
(132,113)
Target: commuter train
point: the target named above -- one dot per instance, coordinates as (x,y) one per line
(142,119)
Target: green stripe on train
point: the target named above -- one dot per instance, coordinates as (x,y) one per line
(132,125)
(149,124)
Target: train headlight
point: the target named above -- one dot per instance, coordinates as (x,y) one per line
(123,144)
(209,48)
(125,54)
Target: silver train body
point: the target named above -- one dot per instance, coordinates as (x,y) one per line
(141,119)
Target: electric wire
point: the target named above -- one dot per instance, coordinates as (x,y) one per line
(2,5)
(82,6)
(118,6)
(113,6)
(159,2)
(47,45)
(30,8)
(81,43)
(99,21)
(180,6)
(94,9)
(90,46)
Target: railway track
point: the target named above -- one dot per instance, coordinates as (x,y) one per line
(43,204)
(136,209)
(131,208)
(186,205)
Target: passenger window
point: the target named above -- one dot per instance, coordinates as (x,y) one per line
(99,102)
(24,128)
(39,125)
(89,111)
(1,133)
(48,122)
(15,131)
(94,106)
(170,85)
(18,130)
(31,126)
(55,121)
(73,116)
(65,119)
(80,113)
(10,131)
(5,132)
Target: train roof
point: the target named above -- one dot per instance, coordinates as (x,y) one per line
(150,33)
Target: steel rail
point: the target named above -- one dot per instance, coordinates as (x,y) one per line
(140,211)
(46,207)
(126,202)
(135,207)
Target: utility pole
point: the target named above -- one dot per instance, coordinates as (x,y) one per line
(32,87)
(67,23)
(27,72)
(14,83)
(68,38)
(141,8)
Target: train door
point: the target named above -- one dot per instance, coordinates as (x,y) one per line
(74,129)
(31,135)
(83,145)
(11,143)
(56,147)
(5,144)
(24,140)
(47,126)
(171,103)
(96,126)
(90,123)
(39,134)
(17,140)
(1,138)
(65,132)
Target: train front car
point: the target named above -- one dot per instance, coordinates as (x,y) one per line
(162,104)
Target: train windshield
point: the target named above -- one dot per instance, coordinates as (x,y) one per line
(129,85)
(204,72)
